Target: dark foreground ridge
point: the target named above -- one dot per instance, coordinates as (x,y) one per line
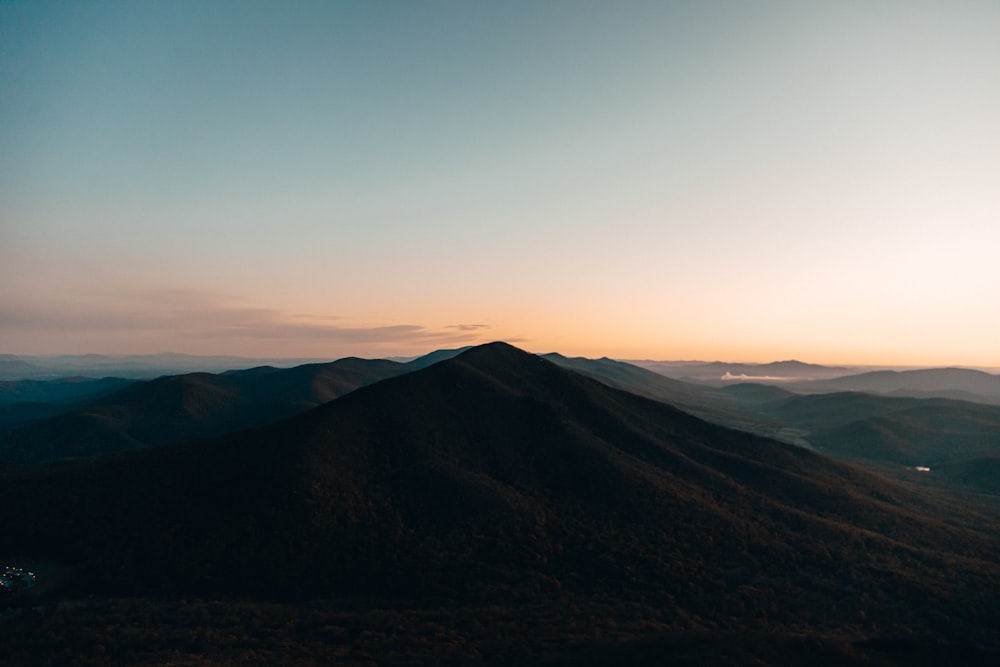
(497,488)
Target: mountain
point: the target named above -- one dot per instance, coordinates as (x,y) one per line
(717,372)
(175,408)
(754,393)
(519,509)
(947,435)
(925,435)
(22,401)
(63,390)
(15,368)
(981,473)
(957,383)
(728,406)
(816,412)
(434,357)
(133,366)
(697,399)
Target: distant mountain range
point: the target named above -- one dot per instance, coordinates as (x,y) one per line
(82,419)
(957,383)
(943,436)
(500,489)
(496,484)
(142,366)
(28,400)
(719,371)
(172,409)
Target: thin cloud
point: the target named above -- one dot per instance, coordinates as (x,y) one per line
(468,327)
(208,321)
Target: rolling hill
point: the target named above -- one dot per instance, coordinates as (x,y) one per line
(495,486)
(957,383)
(925,435)
(706,402)
(175,408)
(891,429)
(713,372)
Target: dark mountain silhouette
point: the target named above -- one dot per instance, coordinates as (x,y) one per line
(57,391)
(500,486)
(175,408)
(980,473)
(132,366)
(696,399)
(754,393)
(434,357)
(22,401)
(957,383)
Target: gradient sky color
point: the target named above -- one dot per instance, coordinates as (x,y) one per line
(745,181)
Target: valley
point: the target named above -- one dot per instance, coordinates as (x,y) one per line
(495,506)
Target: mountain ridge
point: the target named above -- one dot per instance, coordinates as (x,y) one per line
(491,486)
(174,408)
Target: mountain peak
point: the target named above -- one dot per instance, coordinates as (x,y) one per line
(494,349)
(498,356)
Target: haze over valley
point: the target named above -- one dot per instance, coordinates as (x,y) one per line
(511,333)
(519,490)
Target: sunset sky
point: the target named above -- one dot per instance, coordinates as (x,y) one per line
(745,181)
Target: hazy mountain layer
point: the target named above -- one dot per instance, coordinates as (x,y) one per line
(957,383)
(175,408)
(498,478)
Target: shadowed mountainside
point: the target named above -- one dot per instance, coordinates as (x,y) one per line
(22,401)
(63,390)
(499,478)
(708,403)
(432,358)
(979,473)
(894,429)
(175,408)
(942,431)
(817,412)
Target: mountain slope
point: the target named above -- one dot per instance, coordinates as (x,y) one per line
(817,412)
(497,476)
(434,357)
(175,408)
(64,390)
(937,432)
(718,406)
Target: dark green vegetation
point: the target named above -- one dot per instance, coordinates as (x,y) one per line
(957,440)
(61,391)
(495,507)
(705,402)
(175,408)
(22,401)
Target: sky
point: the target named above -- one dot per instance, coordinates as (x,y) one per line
(743,181)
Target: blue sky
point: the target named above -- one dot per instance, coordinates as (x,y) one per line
(745,181)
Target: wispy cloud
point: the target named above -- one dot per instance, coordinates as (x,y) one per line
(192,320)
(468,327)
